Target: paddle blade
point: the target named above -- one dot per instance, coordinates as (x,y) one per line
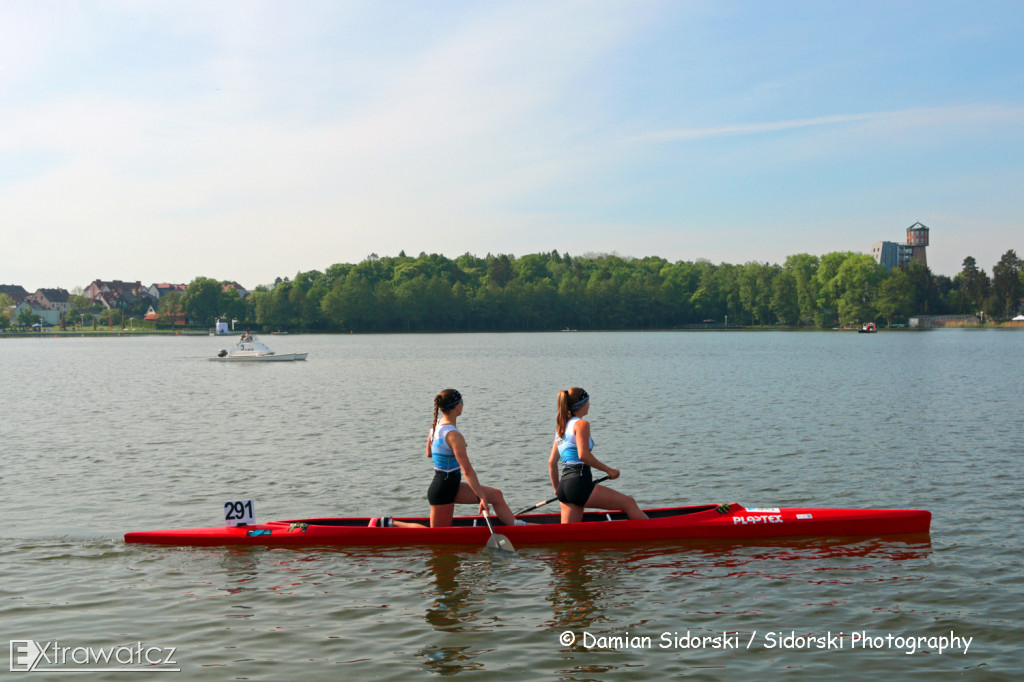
(497,541)
(500,543)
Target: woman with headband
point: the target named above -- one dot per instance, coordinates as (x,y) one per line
(447,447)
(573,450)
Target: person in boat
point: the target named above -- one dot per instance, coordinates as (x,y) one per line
(573,452)
(447,447)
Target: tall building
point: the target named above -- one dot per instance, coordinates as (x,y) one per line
(917,239)
(893,255)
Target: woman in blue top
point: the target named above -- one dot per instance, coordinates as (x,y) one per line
(573,450)
(447,448)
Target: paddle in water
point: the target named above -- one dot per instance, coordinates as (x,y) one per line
(541,504)
(497,540)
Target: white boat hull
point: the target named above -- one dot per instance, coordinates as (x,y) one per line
(251,350)
(284,357)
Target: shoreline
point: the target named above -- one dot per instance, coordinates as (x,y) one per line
(90,333)
(695,328)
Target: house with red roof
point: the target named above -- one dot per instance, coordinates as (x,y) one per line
(15,291)
(158,291)
(242,293)
(116,294)
(51,299)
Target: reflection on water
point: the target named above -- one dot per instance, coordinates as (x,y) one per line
(456,590)
(239,567)
(769,559)
(572,597)
(451,605)
(449,660)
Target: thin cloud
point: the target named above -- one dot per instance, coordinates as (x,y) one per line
(952,115)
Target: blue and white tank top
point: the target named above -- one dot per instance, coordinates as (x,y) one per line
(444,458)
(567,450)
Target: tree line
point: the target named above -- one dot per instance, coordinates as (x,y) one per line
(551,291)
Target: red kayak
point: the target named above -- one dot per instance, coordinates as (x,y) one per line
(604,527)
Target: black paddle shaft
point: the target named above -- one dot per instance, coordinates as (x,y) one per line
(541,504)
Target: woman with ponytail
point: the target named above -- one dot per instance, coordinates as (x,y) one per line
(447,448)
(573,450)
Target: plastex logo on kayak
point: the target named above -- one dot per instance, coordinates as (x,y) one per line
(29,656)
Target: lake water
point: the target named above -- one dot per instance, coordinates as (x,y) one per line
(102,436)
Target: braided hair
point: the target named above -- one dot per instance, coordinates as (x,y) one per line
(445,401)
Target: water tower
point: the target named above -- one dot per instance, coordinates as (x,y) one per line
(917,240)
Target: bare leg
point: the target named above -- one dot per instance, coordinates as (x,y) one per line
(606,498)
(494,497)
(406,524)
(571,513)
(501,508)
(441,514)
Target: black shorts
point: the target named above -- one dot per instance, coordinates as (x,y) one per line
(444,488)
(575,485)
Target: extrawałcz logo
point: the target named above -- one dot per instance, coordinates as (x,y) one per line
(30,656)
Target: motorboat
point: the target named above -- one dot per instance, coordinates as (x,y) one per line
(248,349)
(869,328)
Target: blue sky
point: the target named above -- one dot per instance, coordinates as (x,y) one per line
(160,141)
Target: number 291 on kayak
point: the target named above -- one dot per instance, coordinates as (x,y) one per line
(239,513)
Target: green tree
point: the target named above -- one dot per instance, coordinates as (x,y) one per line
(201,301)
(305,299)
(711,299)
(829,287)
(260,308)
(437,303)
(460,306)
(805,270)
(112,316)
(532,267)
(79,302)
(755,290)
(409,303)
(1006,285)
(349,304)
(927,298)
(487,306)
(602,299)
(284,314)
(6,302)
(499,270)
(473,267)
(169,308)
(856,283)
(785,298)
(26,318)
(231,306)
(895,296)
(572,303)
(972,287)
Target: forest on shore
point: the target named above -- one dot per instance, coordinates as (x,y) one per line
(551,291)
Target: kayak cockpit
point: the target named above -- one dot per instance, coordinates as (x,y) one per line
(473,521)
